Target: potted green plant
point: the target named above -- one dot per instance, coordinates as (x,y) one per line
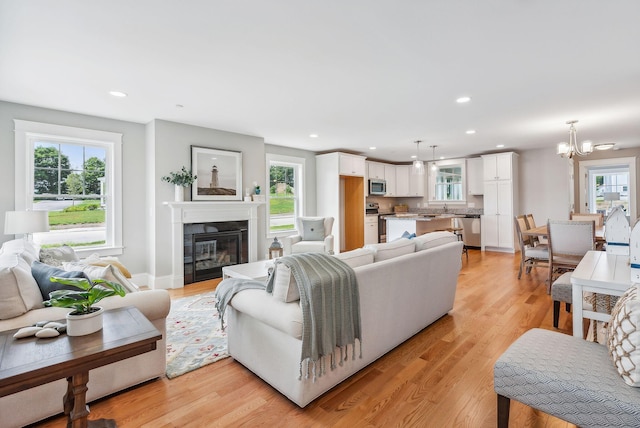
(85,317)
(180,179)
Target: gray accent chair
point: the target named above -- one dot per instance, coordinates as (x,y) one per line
(566,377)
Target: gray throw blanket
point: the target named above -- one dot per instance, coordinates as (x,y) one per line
(330,305)
(228,288)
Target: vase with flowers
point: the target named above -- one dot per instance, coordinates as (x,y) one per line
(180,179)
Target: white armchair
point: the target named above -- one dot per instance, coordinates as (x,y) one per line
(314,236)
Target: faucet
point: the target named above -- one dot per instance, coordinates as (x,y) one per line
(446,209)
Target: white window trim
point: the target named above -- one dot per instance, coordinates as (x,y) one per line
(293,161)
(26,132)
(583,183)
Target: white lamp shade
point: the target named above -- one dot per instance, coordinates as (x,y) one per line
(611,196)
(16,222)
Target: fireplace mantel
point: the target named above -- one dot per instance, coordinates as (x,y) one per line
(202,212)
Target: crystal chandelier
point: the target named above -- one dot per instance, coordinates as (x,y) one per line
(418,165)
(571,149)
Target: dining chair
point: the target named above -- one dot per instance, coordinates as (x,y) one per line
(597,217)
(531,223)
(530,255)
(569,241)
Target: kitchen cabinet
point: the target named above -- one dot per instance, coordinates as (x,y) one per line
(352,165)
(408,183)
(341,196)
(376,170)
(500,201)
(498,166)
(370,229)
(475,177)
(390,178)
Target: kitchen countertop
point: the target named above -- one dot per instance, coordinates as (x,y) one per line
(422,217)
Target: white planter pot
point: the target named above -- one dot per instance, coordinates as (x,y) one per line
(80,325)
(179,193)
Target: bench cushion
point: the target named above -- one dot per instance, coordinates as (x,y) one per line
(566,377)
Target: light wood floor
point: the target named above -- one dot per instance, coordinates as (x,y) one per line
(442,377)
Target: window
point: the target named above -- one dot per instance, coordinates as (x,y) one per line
(607,183)
(446,180)
(75,174)
(284,196)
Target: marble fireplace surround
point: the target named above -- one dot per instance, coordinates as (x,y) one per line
(202,212)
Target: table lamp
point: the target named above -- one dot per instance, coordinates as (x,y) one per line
(27,222)
(611,196)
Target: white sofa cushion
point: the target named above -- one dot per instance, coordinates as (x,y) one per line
(57,256)
(624,336)
(19,291)
(285,287)
(433,239)
(286,317)
(355,258)
(392,249)
(25,249)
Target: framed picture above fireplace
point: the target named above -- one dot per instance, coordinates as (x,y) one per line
(219,174)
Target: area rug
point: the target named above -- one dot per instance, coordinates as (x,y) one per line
(194,337)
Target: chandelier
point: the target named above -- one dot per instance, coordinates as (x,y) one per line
(571,149)
(418,165)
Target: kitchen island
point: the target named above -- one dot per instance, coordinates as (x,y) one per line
(417,223)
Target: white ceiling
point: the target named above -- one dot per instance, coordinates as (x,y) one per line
(359,73)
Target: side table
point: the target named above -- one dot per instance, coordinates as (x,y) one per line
(27,363)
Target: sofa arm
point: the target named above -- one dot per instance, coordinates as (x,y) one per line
(328,244)
(288,241)
(154,304)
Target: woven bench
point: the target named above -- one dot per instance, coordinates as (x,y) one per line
(566,377)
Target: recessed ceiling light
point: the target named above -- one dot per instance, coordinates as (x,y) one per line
(372,148)
(463,100)
(313,135)
(413,156)
(179,106)
(471,131)
(441,157)
(499,146)
(117,94)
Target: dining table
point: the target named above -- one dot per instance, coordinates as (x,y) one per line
(543,231)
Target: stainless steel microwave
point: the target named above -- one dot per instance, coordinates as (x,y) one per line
(377,187)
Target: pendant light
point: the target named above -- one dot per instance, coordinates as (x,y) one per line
(571,149)
(418,165)
(433,164)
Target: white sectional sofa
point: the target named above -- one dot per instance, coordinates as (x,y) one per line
(21,305)
(404,287)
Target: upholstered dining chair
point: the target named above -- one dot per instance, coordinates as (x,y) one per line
(569,241)
(314,236)
(530,255)
(598,218)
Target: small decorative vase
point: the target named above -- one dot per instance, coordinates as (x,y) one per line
(179,193)
(80,325)
(257,190)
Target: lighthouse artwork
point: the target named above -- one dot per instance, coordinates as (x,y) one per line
(219,174)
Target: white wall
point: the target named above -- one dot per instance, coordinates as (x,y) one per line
(149,152)
(544,185)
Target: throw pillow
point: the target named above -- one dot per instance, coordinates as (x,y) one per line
(57,256)
(96,260)
(108,273)
(43,273)
(285,287)
(312,229)
(19,291)
(392,249)
(624,336)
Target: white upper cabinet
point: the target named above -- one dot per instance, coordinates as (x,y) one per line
(498,166)
(376,170)
(390,177)
(352,165)
(475,180)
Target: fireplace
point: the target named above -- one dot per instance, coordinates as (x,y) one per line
(185,213)
(208,247)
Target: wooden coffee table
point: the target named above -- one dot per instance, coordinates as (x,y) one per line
(26,363)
